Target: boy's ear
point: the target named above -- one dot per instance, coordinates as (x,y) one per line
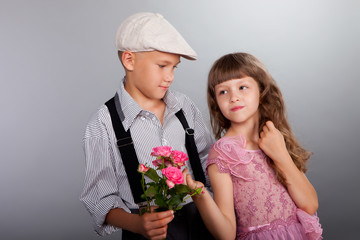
(128,60)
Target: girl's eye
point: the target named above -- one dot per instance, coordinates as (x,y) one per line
(222,92)
(161,66)
(243,87)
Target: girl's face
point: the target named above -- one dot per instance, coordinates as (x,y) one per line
(238,100)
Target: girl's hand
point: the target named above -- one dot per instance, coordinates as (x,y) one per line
(190,182)
(272,143)
(300,189)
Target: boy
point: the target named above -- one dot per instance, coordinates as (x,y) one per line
(149,49)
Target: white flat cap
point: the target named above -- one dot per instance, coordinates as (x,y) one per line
(149,32)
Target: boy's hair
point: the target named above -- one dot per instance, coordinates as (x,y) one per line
(271,106)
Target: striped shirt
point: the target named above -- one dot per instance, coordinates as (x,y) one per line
(106,185)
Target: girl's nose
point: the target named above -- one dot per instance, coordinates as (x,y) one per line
(234,98)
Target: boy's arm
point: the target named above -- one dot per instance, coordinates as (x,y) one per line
(150,225)
(218,215)
(101,185)
(101,189)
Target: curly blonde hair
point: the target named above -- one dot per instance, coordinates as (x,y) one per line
(271,107)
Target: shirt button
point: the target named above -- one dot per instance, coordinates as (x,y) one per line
(142,118)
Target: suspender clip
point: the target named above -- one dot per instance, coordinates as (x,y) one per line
(122,142)
(189,131)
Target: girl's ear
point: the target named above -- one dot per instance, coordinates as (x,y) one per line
(128,60)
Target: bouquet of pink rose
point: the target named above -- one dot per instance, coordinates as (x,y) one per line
(168,190)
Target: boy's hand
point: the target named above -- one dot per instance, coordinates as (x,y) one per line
(272,143)
(154,225)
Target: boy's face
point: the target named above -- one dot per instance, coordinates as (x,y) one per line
(152,75)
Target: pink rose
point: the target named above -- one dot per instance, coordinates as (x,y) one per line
(143,168)
(157,162)
(179,157)
(173,174)
(170,183)
(163,151)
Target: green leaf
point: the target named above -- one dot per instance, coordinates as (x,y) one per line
(174,201)
(178,208)
(172,191)
(151,184)
(160,201)
(151,191)
(198,191)
(144,210)
(181,188)
(152,174)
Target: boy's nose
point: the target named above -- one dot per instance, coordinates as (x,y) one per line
(169,77)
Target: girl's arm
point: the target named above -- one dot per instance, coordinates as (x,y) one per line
(218,215)
(299,187)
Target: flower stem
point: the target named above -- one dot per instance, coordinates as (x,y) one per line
(143,187)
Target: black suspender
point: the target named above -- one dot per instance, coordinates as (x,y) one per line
(191,148)
(127,151)
(130,160)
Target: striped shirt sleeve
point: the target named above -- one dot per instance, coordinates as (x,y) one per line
(101,190)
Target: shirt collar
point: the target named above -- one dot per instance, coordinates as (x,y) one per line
(128,108)
(172,102)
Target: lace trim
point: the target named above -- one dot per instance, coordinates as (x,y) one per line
(311,224)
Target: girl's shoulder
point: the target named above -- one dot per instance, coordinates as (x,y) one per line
(232,150)
(238,140)
(235,143)
(230,155)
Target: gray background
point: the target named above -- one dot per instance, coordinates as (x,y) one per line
(58,64)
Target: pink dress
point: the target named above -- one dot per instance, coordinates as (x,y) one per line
(263,207)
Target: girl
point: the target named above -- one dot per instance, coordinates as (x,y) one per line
(257,166)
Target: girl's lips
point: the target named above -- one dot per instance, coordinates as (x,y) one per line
(237,108)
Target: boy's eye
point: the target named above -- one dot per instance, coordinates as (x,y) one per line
(222,92)
(161,66)
(243,87)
